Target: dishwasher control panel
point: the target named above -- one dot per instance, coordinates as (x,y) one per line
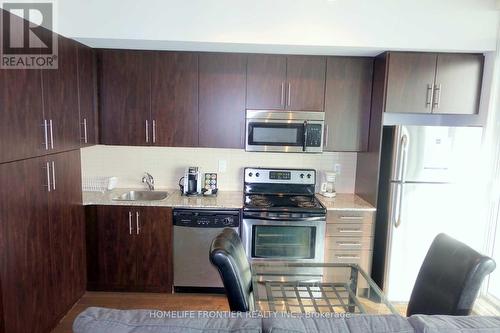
(199,218)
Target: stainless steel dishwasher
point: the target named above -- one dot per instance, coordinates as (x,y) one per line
(194,230)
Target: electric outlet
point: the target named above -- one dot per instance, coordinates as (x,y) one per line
(338,168)
(222,166)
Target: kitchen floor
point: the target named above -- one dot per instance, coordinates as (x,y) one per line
(178,302)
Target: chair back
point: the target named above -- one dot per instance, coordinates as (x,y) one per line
(228,255)
(449,279)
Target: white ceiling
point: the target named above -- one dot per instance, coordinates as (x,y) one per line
(357,27)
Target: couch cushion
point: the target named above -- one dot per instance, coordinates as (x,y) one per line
(455,324)
(349,324)
(101,320)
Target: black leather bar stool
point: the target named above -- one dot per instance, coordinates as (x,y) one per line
(449,279)
(228,255)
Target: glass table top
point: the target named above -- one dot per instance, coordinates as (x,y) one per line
(316,287)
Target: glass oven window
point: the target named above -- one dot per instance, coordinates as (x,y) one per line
(283,242)
(276,134)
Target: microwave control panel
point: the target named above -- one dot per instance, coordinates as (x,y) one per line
(314,137)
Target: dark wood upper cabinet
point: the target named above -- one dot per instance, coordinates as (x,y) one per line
(222,100)
(87,95)
(21,116)
(458,83)
(266,81)
(347,103)
(306,83)
(441,83)
(125,100)
(129,248)
(174,99)
(60,92)
(280,82)
(154,249)
(410,81)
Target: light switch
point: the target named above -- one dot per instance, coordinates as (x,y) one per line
(338,168)
(222,166)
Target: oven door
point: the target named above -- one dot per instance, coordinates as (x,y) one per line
(298,241)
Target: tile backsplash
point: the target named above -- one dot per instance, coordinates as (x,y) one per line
(167,164)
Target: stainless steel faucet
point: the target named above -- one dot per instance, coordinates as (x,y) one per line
(149,180)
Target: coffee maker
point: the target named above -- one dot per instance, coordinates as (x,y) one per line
(191,182)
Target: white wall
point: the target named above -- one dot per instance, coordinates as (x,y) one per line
(300,26)
(167,165)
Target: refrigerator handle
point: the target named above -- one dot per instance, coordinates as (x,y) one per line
(401,173)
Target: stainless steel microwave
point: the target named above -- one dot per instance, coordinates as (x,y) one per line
(284,131)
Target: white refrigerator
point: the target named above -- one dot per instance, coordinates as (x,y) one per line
(428,185)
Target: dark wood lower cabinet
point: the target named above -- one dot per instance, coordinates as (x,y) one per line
(42,266)
(129,248)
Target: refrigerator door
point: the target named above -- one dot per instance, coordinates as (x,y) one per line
(436,154)
(426,211)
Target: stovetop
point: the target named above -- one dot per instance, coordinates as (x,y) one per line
(283,203)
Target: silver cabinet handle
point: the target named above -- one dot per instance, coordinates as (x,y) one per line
(147,131)
(137,226)
(351,218)
(130,223)
(347,257)
(47,169)
(349,243)
(51,134)
(289,94)
(53,175)
(436,99)
(154,131)
(282,101)
(45,134)
(347,230)
(85,136)
(429,96)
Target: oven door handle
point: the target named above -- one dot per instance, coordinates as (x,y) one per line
(299,219)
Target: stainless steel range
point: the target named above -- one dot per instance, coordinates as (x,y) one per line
(282,219)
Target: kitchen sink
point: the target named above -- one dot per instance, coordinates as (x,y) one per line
(142,196)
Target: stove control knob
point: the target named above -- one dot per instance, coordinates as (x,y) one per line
(227,221)
(301,175)
(257,174)
(250,174)
(308,175)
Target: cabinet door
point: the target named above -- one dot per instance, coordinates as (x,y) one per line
(24,244)
(125,97)
(67,231)
(266,80)
(154,262)
(347,103)
(174,99)
(116,248)
(410,80)
(305,89)
(222,100)
(87,92)
(458,83)
(60,92)
(21,115)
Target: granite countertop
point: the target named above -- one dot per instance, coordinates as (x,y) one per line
(224,199)
(345,201)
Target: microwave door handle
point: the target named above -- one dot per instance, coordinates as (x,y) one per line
(304,146)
